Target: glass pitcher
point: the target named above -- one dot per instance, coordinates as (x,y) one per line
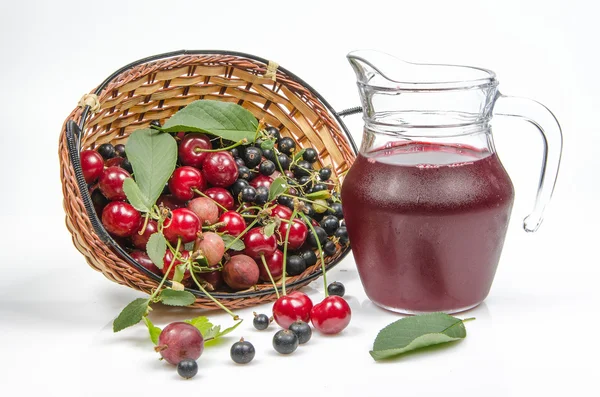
(427,201)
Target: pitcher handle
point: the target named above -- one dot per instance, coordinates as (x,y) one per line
(545,121)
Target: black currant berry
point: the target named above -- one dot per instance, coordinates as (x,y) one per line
(342,234)
(310,155)
(284,161)
(240,162)
(318,187)
(237,187)
(286,145)
(330,223)
(324,174)
(285,341)
(187,368)
(305,182)
(309,257)
(295,265)
(262,195)
(235,152)
(337,210)
(302,168)
(274,133)
(269,154)
(248,194)
(267,167)
(252,156)
(302,331)
(242,352)
(120,150)
(106,150)
(244,173)
(261,321)
(329,248)
(336,288)
(309,210)
(287,201)
(126,165)
(155,123)
(321,235)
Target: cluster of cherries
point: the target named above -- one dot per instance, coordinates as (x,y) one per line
(219,190)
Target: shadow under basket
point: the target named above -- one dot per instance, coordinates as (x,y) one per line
(157,87)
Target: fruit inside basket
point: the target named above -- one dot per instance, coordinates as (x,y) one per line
(217,173)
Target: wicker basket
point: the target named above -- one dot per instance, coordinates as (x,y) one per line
(155,88)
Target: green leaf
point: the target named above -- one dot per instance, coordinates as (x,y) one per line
(269,229)
(172,297)
(208,330)
(179,272)
(153,330)
(415,332)
(298,155)
(267,145)
(131,314)
(278,186)
(228,330)
(321,194)
(224,119)
(156,247)
(135,196)
(238,245)
(153,156)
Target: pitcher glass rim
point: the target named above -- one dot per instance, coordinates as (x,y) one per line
(488,77)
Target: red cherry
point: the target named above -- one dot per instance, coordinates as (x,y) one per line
(114,162)
(183,180)
(120,219)
(167,262)
(234,223)
(331,315)
(221,196)
(143,259)
(188,146)
(281,211)
(169,201)
(292,307)
(275,264)
(92,165)
(261,180)
(298,233)
(214,279)
(111,183)
(140,240)
(258,244)
(183,224)
(220,169)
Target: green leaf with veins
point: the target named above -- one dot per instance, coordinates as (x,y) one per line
(278,186)
(269,229)
(131,314)
(135,196)
(153,330)
(153,156)
(156,247)
(238,245)
(415,332)
(172,297)
(224,119)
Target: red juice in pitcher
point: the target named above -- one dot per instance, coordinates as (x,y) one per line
(427,224)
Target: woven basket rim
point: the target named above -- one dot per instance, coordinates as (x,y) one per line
(74,133)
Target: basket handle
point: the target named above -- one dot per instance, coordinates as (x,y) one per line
(73,139)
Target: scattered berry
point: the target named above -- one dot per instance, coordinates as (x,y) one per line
(292,307)
(336,288)
(285,341)
(331,315)
(302,331)
(261,321)
(187,368)
(242,352)
(180,341)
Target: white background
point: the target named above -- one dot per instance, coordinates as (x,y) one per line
(534,335)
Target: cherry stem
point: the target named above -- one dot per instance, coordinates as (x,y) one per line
(308,201)
(285,244)
(146,219)
(200,150)
(320,250)
(198,192)
(201,288)
(264,262)
(241,234)
(168,270)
